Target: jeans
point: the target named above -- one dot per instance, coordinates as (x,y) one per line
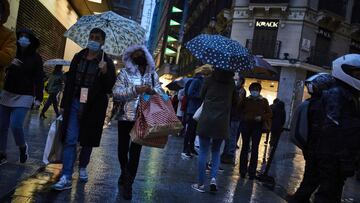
(250,131)
(230,143)
(128,152)
(190,134)
(51,100)
(71,140)
(12,117)
(205,143)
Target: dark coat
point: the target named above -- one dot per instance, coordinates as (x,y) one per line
(27,79)
(193,95)
(92,119)
(218,93)
(278,117)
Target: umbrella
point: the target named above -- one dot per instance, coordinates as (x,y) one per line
(177,84)
(54,62)
(120,32)
(262,67)
(221,52)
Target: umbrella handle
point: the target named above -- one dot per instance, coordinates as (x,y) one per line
(102,58)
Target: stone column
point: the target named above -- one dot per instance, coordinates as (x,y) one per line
(291,89)
(349,10)
(242,2)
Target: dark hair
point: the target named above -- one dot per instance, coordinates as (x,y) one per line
(276,100)
(100,31)
(255,85)
(241,80)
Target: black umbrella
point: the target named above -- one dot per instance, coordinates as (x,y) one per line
(262,67)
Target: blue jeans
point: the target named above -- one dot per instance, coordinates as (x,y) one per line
(71,140)
(205,143)
(230,143)
(12,117)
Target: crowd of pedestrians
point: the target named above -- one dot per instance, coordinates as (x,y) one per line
(214,107)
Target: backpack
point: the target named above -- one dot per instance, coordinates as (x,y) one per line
(300,126)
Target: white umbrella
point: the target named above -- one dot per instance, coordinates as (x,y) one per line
(120,32)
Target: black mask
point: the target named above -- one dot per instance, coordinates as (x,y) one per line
(140,60)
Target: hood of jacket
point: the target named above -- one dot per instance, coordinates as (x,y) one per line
(35,43)
(223,76)
(129,63)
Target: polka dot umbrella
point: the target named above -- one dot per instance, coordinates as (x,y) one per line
(221,52)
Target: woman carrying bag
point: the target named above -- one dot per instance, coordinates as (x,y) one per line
(138,77)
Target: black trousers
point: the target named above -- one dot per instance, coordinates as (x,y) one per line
(190,134)
(128,152)
(310,182)
(250,131)
(331,180)
(51,100)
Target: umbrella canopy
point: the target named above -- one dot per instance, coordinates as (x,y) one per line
(177,84)
(221,52)
(262,67)
(120,32)
(54,62)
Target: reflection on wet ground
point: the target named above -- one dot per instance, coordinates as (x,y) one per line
(163,176)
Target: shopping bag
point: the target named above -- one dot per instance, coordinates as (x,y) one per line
(158,142)
(53,147)
(197,113)
(155,118)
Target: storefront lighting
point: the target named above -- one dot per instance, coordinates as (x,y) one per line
(171,39)
(115,62)
(169,51)
(97,13)
(174,23)
(96,1)
(176,10)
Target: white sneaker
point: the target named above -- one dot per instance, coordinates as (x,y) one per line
(199,188)
(213,186)
(83,176)
(62,184)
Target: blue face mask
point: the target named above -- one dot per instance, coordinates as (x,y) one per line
(93,45)
(255,93)
(24,42)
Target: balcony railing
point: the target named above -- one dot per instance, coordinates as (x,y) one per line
(264,48)
(268,1)
(321,58)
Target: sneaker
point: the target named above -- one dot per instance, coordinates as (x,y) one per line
(3,159)
(213,186)
(24,155)
(186,156)
(208,168)
(199,188)
(83,176)
(194,153)
(62,184)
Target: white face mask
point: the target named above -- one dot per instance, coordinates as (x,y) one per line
(255,93)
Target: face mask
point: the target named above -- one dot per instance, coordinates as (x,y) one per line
(140,60)
(24,42)
(93,45)
(254,93)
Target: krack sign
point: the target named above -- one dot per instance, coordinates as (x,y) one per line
(273,24)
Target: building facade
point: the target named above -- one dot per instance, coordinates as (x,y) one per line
(299,37)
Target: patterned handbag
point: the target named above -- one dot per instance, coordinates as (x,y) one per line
(156,118)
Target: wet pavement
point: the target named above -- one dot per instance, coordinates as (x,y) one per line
(162,177)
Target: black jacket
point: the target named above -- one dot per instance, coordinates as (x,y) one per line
(94,111)
(27,79)
(341,127)
(278,117)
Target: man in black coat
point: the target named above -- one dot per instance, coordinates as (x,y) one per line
(89,80)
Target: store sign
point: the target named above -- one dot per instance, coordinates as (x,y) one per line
(324,33)
(267,24)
